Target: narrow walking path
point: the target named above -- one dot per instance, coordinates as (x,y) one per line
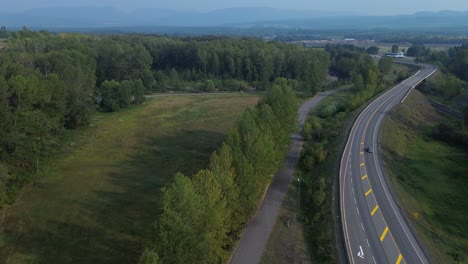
(256,234)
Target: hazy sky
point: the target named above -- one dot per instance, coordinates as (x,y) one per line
(369,7)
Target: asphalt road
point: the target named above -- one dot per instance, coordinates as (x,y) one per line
(373,227)
(257,232)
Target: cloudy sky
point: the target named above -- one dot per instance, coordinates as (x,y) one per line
(365,7)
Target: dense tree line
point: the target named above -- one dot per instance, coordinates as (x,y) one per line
(457,61)
(373,50)
(47,85)
(451,85)
(203,216)
(353,64)
(452,63)
(53,82)
(249,60)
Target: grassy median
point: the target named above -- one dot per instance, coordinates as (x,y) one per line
(97,201)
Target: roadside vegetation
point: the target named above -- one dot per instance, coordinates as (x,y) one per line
(427,168)
(325,134)
(95,201)
(426,154)
(287,242)
(203,216)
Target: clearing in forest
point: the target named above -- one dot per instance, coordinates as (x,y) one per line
(97,202)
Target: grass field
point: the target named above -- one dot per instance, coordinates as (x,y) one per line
(429,178)
(287,242)
(96,203)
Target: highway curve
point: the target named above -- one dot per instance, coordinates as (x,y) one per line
(374,229)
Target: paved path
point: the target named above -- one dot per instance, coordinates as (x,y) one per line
(256,234)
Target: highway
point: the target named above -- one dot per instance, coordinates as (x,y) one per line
(374,229)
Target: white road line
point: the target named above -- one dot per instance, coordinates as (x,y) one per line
(355,200)
(379,173)
(353,191)
(367,242)
(362,227)
(374,260)
(357,208)
(391,99)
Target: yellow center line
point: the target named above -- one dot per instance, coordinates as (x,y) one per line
(375,210)
(400,257)
(362,142)
(362,164)
(364,177)
(369,191)
(362,152)
(382,237)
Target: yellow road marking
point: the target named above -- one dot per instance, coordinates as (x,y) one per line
(382,237)
(362,164)
(364,177)
(362,142)
(400,257)
(369,191)
(375,210)
(362,152)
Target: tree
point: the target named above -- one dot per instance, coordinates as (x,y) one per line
(149,257)
(372,50)
(77,70)
(416,50)
(385,64)
(208,86)
(138,92)
(395,48)
(358,83)
(125,93)
(110,96)
(221,164)
(176,232)
(213,226)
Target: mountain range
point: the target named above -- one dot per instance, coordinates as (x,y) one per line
(249,17)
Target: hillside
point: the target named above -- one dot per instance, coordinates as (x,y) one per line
(428,178)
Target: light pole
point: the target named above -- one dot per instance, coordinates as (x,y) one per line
(299,197)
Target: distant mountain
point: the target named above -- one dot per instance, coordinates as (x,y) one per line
(421,20)
(111,17)
(249,17)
